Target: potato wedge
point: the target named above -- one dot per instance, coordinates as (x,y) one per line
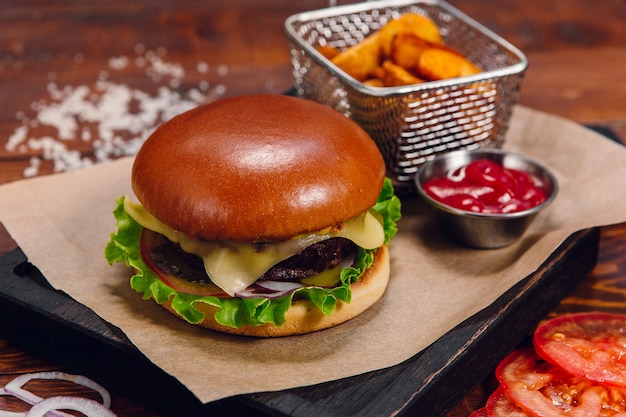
(416,24)
(396,76)
(406,49)
(374,82)
(327,51)
(442,63)
(362,59)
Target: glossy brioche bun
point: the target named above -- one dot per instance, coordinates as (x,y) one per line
(303,317)
(257,168)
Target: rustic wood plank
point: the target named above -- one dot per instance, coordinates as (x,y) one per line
(575,49)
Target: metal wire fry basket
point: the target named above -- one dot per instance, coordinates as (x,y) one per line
(411,124)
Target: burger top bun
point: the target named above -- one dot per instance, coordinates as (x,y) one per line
(257,168)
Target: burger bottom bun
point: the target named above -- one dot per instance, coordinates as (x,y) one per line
(303,317)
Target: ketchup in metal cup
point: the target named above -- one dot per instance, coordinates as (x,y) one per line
(485,186)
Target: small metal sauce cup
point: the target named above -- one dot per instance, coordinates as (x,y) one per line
(483,230)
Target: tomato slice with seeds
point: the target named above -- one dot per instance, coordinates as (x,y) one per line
(500,405)
(150,240)
(589,345)
(545,390)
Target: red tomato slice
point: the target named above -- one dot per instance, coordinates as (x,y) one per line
(479,413)
(590,345)
(149,240)
(500,405)
(545,390)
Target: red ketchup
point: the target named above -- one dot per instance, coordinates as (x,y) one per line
(484,186)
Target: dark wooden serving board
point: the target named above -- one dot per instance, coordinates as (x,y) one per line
(53,325)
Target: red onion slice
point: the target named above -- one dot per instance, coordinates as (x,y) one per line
(280,286)
(269,289)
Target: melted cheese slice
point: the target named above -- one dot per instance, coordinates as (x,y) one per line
(234,266)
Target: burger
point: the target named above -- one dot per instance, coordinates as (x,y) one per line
(260,215)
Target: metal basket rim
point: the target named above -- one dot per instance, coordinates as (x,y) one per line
(382,92)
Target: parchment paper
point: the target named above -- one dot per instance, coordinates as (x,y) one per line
(63,222)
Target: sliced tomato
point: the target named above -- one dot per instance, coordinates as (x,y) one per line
(479,413)
(546,390)
(589,345)
(149,240)
(500,405)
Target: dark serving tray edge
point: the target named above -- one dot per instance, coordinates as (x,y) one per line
(54,326)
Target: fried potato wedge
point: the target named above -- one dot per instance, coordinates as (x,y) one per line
(442,63)
(374,82)
(362,59)
(327,51)
(396,76)
(406,49)
(413,23)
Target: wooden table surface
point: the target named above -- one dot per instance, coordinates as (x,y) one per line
(193,50)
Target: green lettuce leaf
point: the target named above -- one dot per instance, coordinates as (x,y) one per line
(236,312)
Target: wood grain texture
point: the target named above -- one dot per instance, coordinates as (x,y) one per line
(575,48)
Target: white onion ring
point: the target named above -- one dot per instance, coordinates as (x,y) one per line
(86,406)
(14,388)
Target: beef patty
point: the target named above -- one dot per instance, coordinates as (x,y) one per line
(314,259)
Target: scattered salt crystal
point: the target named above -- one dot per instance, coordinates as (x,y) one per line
(18,136)
(220,89)
(202,67)
(62,115)
(196,95)
(85,135)
(160,67)
(118,63)
(53,150)
(33,169)
(222,70)
(113,117)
